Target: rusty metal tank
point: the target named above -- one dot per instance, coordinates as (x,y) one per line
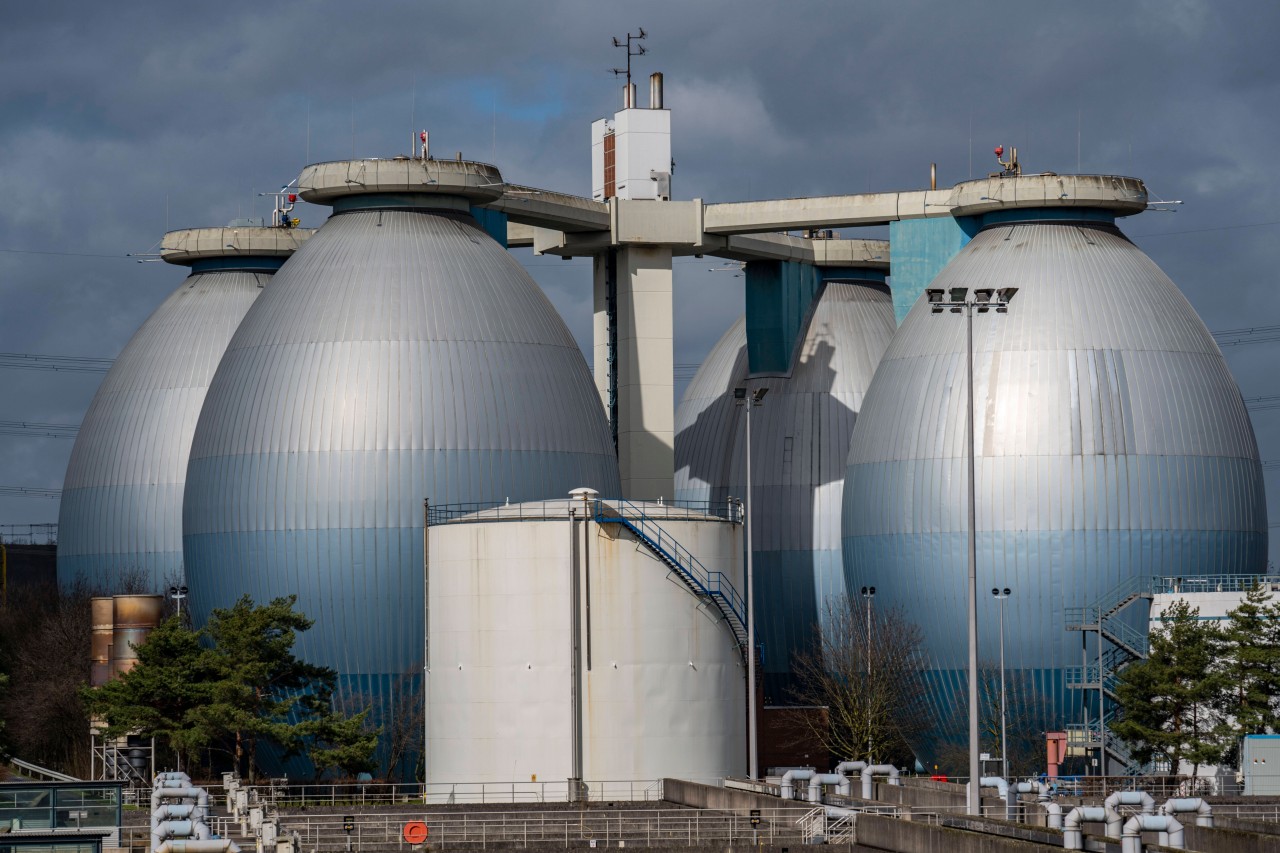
(134,616)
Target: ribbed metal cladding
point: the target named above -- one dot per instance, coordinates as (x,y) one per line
(399,355)
(800,437)
(120,521)
(1111,442)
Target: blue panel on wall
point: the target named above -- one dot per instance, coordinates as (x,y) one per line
(920,248)
(494,222)
(779,294)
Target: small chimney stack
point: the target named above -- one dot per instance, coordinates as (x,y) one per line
(655,90)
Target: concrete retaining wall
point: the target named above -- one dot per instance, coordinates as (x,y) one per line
(900,836)
(1223,840)
(699,796)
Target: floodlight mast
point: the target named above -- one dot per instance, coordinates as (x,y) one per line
(957,300)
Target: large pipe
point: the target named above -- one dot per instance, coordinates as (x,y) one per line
(173,774)
(1072,836)
(1002,790)
(1054,817)
(655,90)
(1115,820)
(868,782)
(196,829)
(175,811)
(200,795)
(845,786)
(1040,789)
(222,845)
(1168,827)
(819,779)
(789,779)
(1189,805)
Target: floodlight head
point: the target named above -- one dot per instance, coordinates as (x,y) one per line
(983,294)
(759,394)
(956,309)
(958,294)
(934,294)
(1008,591)
(995,591)
(739,393)
(1006,294)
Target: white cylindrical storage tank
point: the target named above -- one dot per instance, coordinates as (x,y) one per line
(660,662)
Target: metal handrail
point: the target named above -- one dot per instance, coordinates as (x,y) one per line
(709,584)
(484,511)
(1217,583)
(42,772)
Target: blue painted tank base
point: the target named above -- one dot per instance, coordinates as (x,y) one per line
(1030,711)
(792,591)
(143,510)
(1049,571)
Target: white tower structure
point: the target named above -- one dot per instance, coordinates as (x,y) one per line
(631,153)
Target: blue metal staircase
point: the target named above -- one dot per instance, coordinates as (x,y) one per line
(1126,645)
(712,587)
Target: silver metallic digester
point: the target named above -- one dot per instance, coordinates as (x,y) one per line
(801,439)
(401,355)
(120,521)
(1111,444)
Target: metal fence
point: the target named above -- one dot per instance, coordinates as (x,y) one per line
(285,795)
(559,828)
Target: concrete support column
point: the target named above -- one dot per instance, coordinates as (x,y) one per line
(603,277)
(645,425)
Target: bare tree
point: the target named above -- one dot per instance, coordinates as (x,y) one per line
(874,692)
(404,728)
(45,638)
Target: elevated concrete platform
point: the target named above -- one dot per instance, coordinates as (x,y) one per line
(189,245)
(327,183)
(1123,196)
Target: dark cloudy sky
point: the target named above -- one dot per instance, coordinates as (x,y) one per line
(119,121)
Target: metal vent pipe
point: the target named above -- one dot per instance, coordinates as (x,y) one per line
(655,90)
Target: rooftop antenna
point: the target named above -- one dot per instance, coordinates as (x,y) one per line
(1008,168)
(639,51)
(285,198)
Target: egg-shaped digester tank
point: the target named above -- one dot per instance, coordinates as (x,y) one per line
(1111,445)
(566,648)
(800,439)
(402,355)
(120,521)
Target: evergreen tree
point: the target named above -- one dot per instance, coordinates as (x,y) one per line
(336,741)
(1169,703)
(1252,663)
(164,692)
(245,685)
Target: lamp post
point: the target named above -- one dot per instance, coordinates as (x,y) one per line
(750,401)
(868,593)
(177,593)
(957,301)
(1002,595)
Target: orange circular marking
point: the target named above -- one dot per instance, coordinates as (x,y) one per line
(415,832)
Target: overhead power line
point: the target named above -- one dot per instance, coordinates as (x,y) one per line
(1248,335)
(31,428)
(29,492)
(1261,404)
(66,363)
